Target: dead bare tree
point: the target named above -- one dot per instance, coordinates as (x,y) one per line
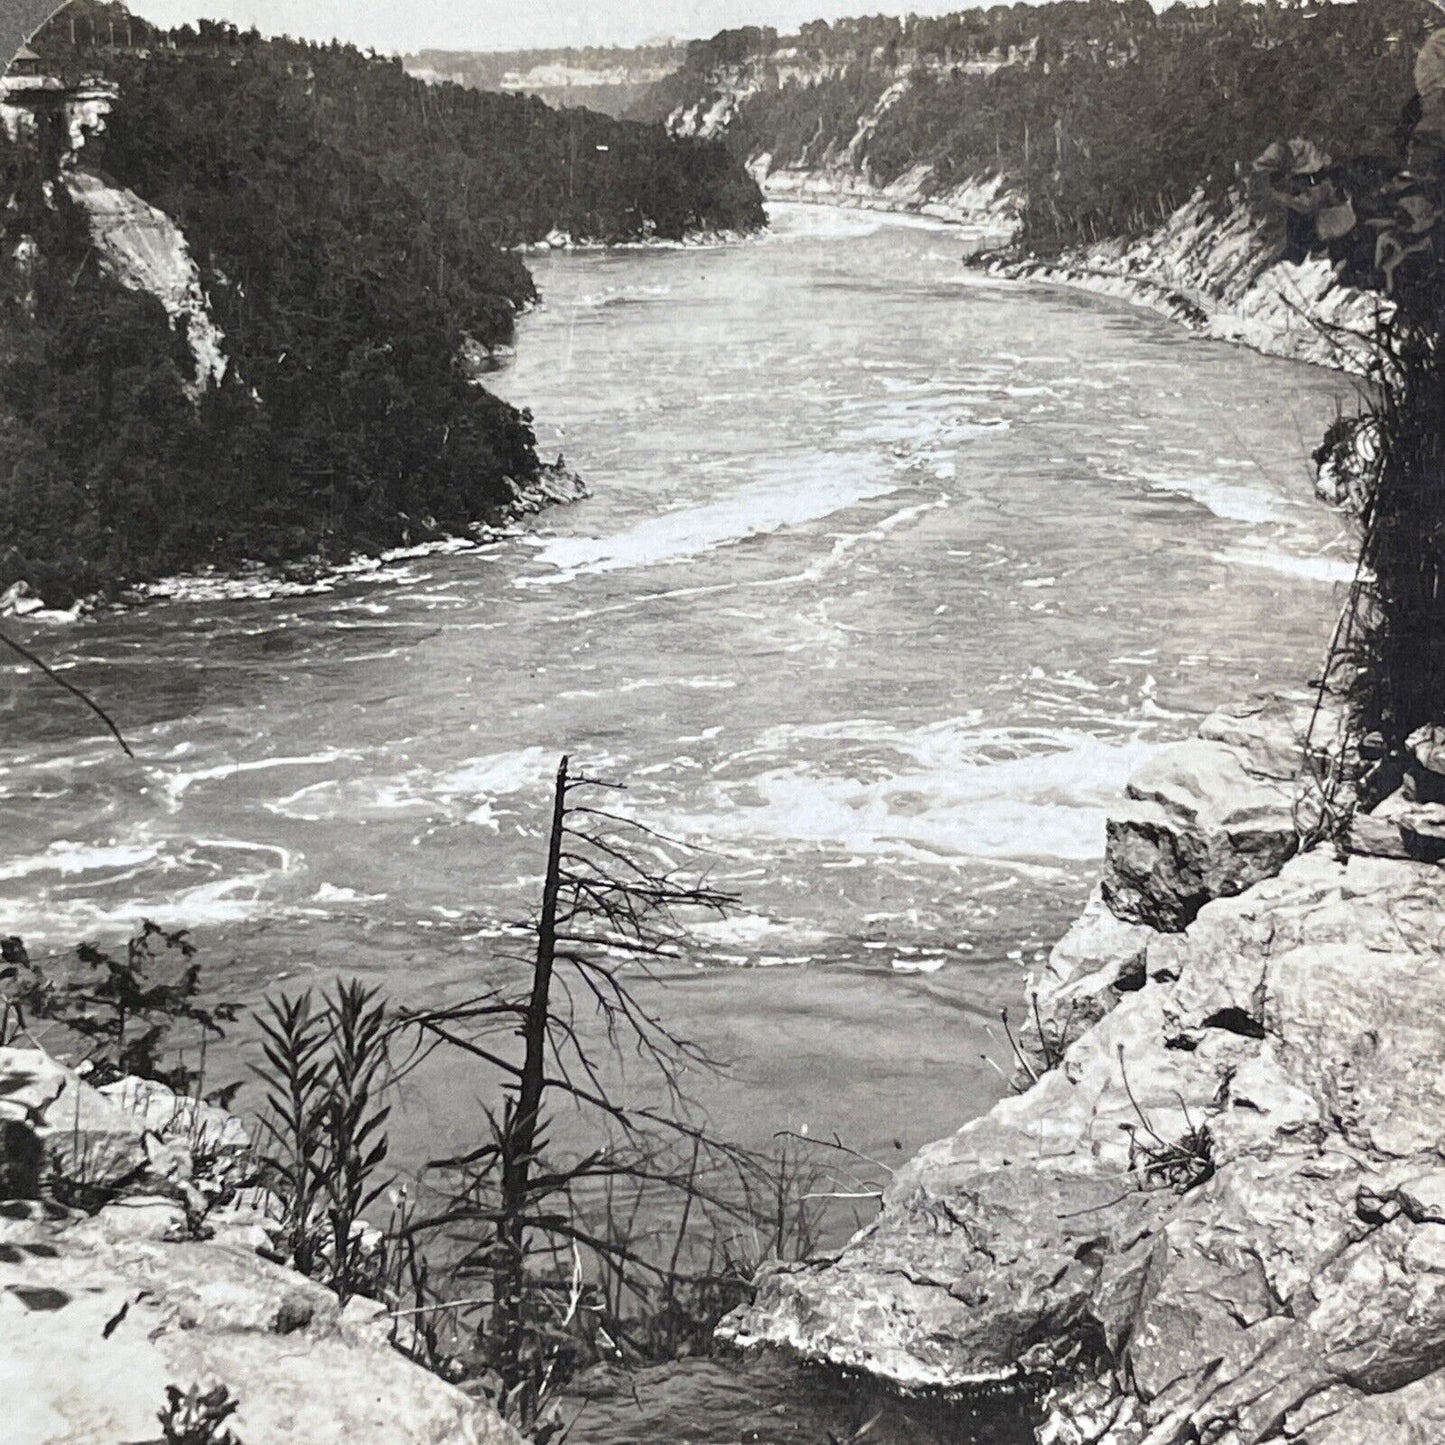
(615,904)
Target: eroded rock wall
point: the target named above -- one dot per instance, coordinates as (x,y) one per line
(1219,1214)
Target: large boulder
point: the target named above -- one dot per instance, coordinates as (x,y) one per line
(1211,816)
(1221,1218)
(1197,826)
(89,1139)
(98,1320)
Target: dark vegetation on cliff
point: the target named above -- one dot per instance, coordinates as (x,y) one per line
(1102,116)
(350,225)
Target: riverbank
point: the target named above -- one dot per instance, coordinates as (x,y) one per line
(556,485)
(1217,271)
(1214,270)
(1219,1211)
(986,206)
(174,1284)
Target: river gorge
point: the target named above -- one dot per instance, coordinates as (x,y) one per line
(892,572)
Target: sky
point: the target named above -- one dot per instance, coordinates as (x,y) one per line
(403,25)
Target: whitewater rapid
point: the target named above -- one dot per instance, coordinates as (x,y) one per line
(891,575)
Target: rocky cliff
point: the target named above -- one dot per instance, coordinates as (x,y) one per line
(1214,268)
(1214,265)
(1217,1210)
(1217,269)
(985,206)
(144,250)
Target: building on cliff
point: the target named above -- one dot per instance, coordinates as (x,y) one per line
(54,114)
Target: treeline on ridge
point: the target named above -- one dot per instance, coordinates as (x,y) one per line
(351,226)
(1102,116)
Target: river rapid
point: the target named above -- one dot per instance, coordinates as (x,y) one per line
(892,573)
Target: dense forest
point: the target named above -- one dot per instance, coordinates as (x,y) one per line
(351,226)
(1101,114)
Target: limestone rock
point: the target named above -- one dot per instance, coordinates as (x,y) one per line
(142,1216)
(97,1327)
(1197,826)
(1427,746)
(1222,1218)
(1098,961)
(1422,831)
(1211,816)
(89,1137)
(205,1128)
(1377,832)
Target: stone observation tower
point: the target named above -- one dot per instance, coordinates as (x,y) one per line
(53,114)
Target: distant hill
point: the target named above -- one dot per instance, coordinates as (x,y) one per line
(1100,116)
(344,236)
(606,79)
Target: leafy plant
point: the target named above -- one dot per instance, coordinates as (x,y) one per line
(325,1070)
(122,1008)
(1179,1164)
(294,1038)
(197,1417)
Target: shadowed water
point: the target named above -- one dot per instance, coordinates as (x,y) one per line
(892,573)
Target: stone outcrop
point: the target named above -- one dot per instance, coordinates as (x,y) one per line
(1209,817)
(1218,270)
(984,205)
(100,1315)
(145,251)
(1214,269)
(73,1130)
(174,1282)
(1220,1215)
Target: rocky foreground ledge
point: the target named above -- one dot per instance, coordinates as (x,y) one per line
(169,1284)
(1219,1213)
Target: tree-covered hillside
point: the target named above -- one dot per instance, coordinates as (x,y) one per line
(350,225)
(1102,113)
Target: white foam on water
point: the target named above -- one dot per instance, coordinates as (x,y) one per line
(355,799)
(176,785)
(918,965)
(845,544)
(1231,501)
(942,793)
(1326,570)
(803,221)
(71,860)
(809,487)
(329,893)
(618,296)
(742,937)
(473,788)
(89,898)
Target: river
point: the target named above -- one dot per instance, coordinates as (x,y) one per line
(892,573)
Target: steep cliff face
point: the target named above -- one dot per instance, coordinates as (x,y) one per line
(1029,126)
(1217,269)
(1219,1213)
(138,245)
(143,249)
(987,206)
